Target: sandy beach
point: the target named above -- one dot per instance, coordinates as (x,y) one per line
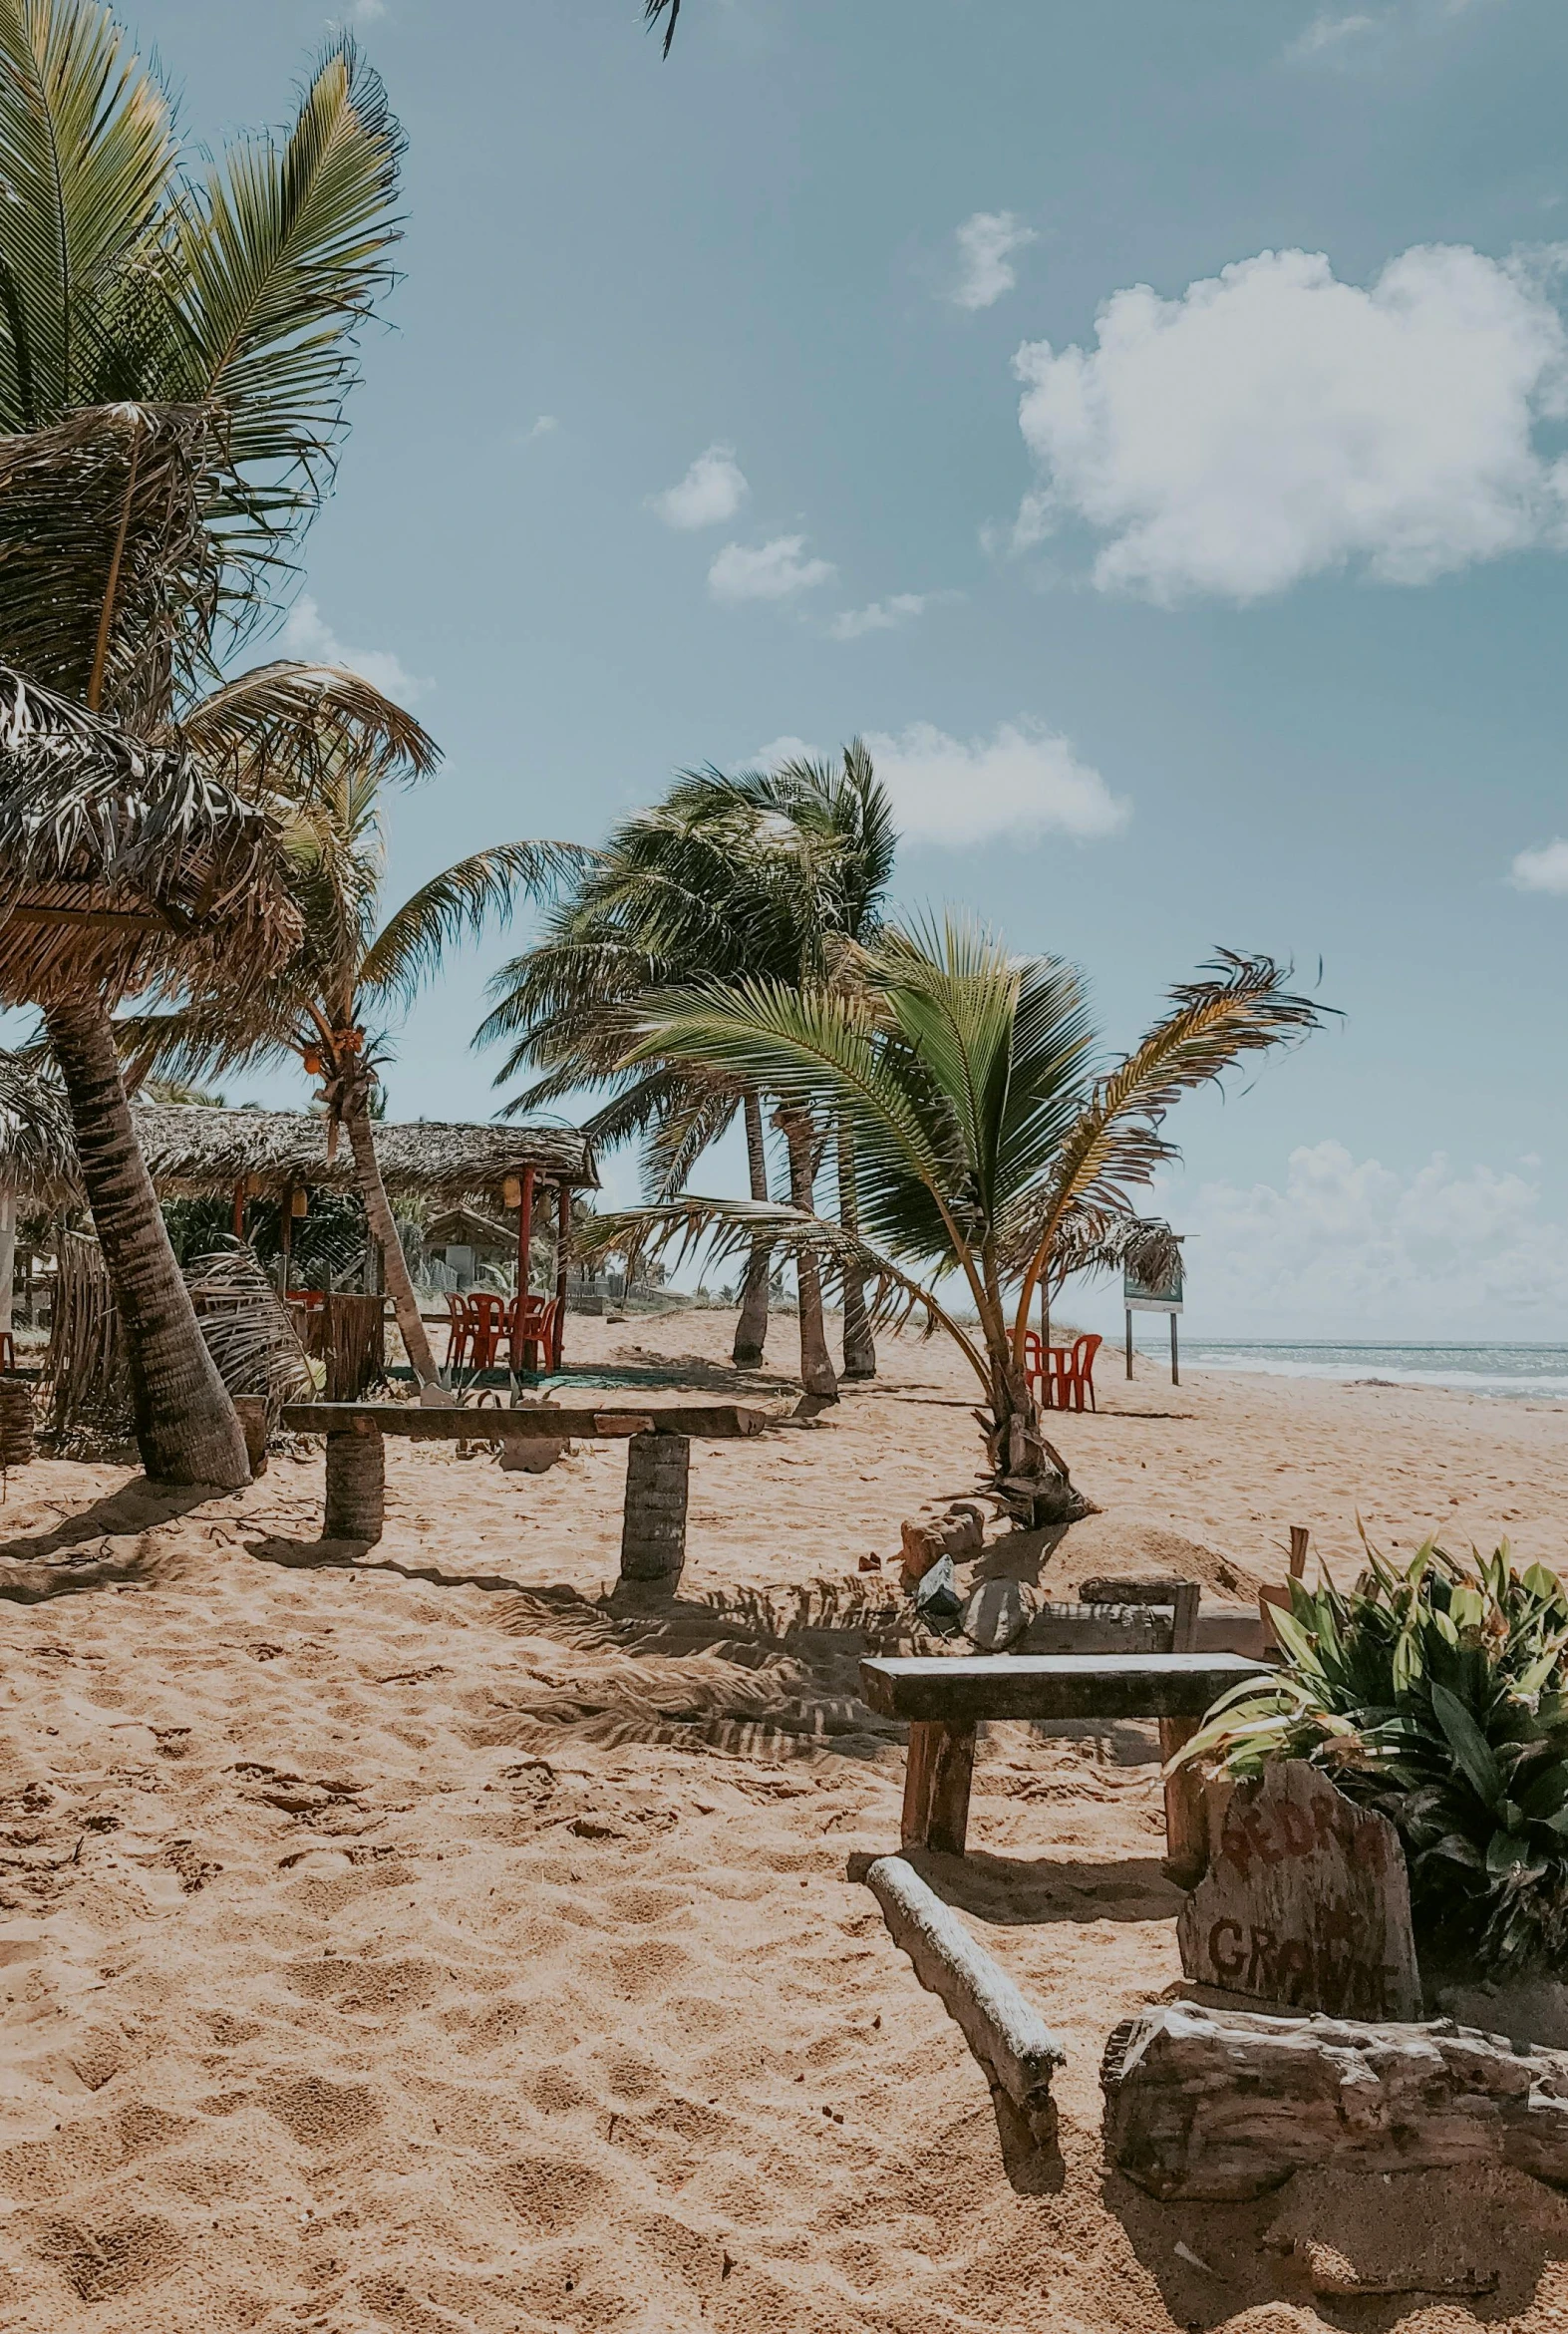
(426,1942)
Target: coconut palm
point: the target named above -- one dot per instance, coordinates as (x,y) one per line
(766,872)
(37,1156)
(174,353)
(352,966)
(986,1145)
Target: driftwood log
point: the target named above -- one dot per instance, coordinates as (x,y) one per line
(1221,2105)
(1011,2042)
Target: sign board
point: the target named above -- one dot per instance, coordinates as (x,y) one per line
(1145,1296)
(1307,1901)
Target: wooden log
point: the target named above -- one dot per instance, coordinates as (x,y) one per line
(356,1483)
(1052,1686)
(1011,2039)
(251,1411)
(709,1421)
(937,1780)
(1096,1628)
(17,1423)
(653,1528)
(1222,2105)
(1306,1903)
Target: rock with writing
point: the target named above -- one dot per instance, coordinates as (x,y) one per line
(1307,1901)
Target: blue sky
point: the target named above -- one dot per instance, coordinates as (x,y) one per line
(1229,608)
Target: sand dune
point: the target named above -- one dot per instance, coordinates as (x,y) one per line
(425,1943)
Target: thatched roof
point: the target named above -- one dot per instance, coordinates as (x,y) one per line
(119,860)
(191,1150)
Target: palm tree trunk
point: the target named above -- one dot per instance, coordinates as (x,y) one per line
(384,1230)
(186,1427)
(816,1367)
(860,1345)
(751,1330)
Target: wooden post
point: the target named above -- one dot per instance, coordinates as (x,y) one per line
(1175,1366)
(356,1483)
(16,1423)
(1045,1321)
(286,1237)
(1299,1536)
(527,1352)
(1130,1341)
(653,1528)
(562,1246)
(240,1210)
(937,1777)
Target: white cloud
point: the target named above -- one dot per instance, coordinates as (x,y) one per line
(711,491)
(307,636)
(881,616)
(777,571)
(1329,35)
(1544,867)
(545,427)
(986,243)
(1274,423)
(1351,1247)
(1023,782)
(782,749)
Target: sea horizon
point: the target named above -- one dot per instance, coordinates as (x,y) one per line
(1506,1368)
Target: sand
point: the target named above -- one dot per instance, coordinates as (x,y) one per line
(423,1943)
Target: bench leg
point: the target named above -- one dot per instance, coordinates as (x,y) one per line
(653,1530)
(1186,1831)
(936,1786)
(356,1483)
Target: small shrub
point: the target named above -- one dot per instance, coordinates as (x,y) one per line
(1439,1696)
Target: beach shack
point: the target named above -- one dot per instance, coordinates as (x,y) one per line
(509,1176)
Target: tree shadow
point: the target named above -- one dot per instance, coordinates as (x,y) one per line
(38,1565)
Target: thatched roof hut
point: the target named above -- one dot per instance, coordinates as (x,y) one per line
(196,1151)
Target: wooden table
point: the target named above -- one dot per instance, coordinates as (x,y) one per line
(659,1439)
(946,1700)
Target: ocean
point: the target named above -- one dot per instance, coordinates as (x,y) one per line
(1510,1372)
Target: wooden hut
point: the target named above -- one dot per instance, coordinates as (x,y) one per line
(503,1171)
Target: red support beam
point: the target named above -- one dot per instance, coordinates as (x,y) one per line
(562,1243)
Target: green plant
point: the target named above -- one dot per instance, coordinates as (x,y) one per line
(1438,1695)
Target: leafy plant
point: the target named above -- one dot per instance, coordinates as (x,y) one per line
(1438,1695)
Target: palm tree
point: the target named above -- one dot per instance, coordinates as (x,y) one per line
(37,1156)
(987,1147)
(351,967)
(174,353)
(770,873)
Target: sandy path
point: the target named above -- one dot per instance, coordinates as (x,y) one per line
(387,1951)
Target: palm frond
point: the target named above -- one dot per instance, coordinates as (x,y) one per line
(457,904)
(279,257)
(653,10)
(87,154)
(289,724)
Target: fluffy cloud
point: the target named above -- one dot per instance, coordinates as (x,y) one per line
(1329,35)
(776,571)
(308,636)
(881,616)
(1351,1247)
(711,491)
(1023,782)
(986,243)
(1544,867)
(1274,423)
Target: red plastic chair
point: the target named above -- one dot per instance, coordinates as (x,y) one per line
(487,1326)
(1078,1378)
(459,1334)
(530,1321)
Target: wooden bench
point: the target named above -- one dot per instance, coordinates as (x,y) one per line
(653,1528)
(945,1700)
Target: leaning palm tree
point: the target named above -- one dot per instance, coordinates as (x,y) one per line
(351,967)
(986,1145)
(768,873)
(174,353)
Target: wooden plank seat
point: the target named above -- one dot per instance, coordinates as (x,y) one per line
(658,1437)
(945,1700)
